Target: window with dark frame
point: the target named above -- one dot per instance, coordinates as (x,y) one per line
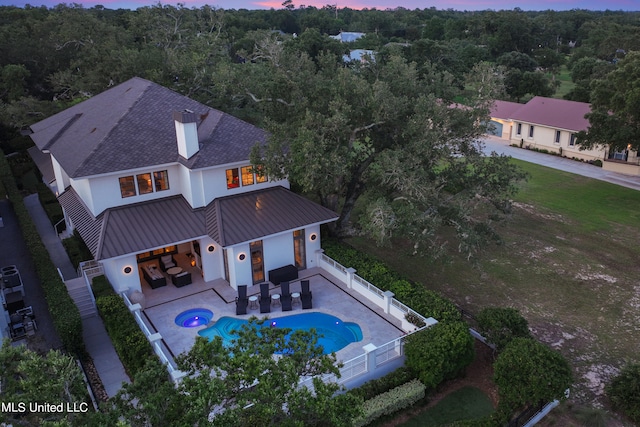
(572,140)
(161,180)
(233,178)
(127,186)
(531,131)
(557,141)
(144,183)
(519,129)
(247,175)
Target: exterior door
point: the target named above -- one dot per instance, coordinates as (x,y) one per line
(299,253)
(257,262)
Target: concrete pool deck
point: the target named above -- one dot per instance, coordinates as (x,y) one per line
(330,296)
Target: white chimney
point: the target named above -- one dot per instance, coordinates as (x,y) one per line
(186,133)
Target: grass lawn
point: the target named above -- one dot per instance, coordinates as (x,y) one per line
(566,84)
(568,262)
(463,404)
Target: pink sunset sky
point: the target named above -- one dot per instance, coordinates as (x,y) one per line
(626,5)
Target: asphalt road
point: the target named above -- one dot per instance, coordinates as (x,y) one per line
(502,146)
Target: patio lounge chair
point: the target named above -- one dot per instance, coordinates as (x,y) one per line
(241,300)
(285,298)
(305,295)
(265,298)
(167,262)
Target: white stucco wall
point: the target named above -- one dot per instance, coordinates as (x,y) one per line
(212,262)
(121,281)
(278,252)
(312,245)
(62,179)
(545,137)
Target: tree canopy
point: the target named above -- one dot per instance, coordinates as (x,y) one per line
(254,380)
(614,121)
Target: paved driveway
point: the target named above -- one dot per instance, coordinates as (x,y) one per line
(502,146)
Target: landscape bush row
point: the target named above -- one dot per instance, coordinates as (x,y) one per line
(128,339)
(392,401)
(64,312)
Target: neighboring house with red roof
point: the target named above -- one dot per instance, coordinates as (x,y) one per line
(145,174)
(552,124)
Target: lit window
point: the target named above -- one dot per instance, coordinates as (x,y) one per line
(531,131)
(233,180)
(144,183)
(557,137)
(161,180)
(247,175)
(260,175)
(127,186)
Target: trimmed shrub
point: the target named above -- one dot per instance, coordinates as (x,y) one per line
(129,341)
(372,388)
(527,372)
(624,391)
(500,325)
(415,295)
(440,352)
(390,402)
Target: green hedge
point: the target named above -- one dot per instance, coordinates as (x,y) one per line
(372,388)
(132,346)
(624,391)
(415,295)
(391,402)
(65,314)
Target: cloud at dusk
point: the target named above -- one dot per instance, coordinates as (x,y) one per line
(626,5)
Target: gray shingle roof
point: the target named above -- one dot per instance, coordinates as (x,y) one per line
(228,220)
(131,126)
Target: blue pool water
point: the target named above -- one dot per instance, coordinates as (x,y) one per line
(334,334)
(194,317)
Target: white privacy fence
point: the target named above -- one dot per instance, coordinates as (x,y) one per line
(371,362)
(155,339)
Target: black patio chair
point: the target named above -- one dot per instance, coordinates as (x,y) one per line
(241,300)
(305,295)
(265,298)
(285,297)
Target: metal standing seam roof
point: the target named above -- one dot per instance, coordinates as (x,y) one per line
(162,222)
(555,113)
(250,216)
(131,126)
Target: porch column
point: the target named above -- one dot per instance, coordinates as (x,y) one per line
(388,296)
(369,357)
(350,273)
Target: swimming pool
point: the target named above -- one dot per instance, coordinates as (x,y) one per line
(333,333)
(194,317)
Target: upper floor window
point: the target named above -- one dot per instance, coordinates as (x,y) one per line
(519,129)
(143,183)
(233,180)
(127,186)
(531,131)
(247,175)
(260,175)
(161,180)
(557,140)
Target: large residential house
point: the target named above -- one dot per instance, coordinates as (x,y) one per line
(551,124)
(144,173)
